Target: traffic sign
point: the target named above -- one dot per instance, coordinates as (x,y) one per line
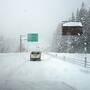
(32,37)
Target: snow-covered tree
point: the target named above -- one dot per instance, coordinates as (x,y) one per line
(87,30)
(73,18)
(56,39)
(3,45)
(77,15)
(82,14)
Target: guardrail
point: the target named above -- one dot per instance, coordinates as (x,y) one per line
(82,62)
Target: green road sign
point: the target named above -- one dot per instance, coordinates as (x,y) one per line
(32,37)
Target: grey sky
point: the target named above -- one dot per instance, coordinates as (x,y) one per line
(23,16)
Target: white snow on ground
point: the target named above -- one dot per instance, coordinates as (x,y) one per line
(74,58)
(17,72)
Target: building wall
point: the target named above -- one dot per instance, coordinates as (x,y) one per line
(67,30)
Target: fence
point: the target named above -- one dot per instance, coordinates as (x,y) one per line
(82,62)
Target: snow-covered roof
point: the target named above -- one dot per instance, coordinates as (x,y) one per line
(73,24)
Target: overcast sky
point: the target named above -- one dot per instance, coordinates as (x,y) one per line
(25,16)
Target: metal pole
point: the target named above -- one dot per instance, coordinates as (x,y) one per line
(85,62)
(20,43)
(21,46)
(85,48)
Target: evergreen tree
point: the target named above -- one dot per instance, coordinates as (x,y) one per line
(3,45)
(73,17)
(56,39)
(88,31)
(88,23)
(77,15)
(82,14)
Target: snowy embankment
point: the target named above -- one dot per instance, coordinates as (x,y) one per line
(17,72)
(76,58)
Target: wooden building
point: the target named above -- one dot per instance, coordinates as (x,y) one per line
(72,28)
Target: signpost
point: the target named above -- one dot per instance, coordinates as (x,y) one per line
(21,38)
(32,37)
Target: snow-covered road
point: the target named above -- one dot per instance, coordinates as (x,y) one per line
(17,72)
